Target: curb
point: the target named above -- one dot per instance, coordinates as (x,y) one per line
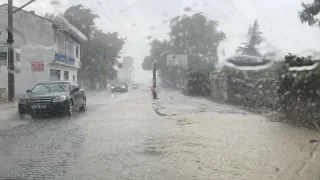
(156,110)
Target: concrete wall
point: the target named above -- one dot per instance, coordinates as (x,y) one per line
(36,43)
(72,71)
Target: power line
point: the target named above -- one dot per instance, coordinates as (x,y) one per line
(26,4)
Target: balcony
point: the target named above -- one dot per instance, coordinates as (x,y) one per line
(61,58)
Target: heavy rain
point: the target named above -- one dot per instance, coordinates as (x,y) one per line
(186,89)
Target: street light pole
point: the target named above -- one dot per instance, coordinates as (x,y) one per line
(10,54)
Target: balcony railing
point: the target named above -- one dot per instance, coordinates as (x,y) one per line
(64,59)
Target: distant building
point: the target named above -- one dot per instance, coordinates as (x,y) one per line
(42,50)
(126,73)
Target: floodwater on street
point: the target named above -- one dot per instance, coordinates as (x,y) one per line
(121,137)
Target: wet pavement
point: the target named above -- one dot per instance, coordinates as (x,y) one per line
(120,136)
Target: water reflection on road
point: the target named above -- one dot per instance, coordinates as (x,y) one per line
(121,137)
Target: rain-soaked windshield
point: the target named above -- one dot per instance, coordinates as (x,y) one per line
(51,87)
(159,89)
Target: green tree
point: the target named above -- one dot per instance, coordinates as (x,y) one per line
(195,36)
(309,13)
(100,52)
(254,39)
(82,18)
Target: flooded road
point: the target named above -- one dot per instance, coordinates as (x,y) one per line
(121,137)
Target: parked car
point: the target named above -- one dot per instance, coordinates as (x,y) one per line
(53,97)
(135,86)
(119,87)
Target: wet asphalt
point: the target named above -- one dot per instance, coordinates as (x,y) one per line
(121,137)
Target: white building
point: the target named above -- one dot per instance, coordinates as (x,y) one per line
(127,71)
(42,51)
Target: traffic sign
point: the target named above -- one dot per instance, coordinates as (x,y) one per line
(177,60)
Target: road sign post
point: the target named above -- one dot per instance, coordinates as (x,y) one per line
(180,61)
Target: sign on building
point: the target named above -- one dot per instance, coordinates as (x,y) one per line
(177,60)
(37,66)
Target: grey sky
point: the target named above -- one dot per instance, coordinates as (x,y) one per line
(137,19)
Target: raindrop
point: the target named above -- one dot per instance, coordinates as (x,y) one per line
(186,33)
(173,37)
(224,16)
(164,22)
(171,44)
(181,25)
(116,67)
(187,9)
(260,86)
(16,70)
(133,24)
(152,27)
(223,53)
(55,3)
(304,68)
(315,142)
(245,62)
(83,26)
(180,34)
(109,44)
(149,37)
(294,75)
(71,27)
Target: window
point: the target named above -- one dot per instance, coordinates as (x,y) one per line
(66,75)
(74,78)
(3,58)
(54,75)
(77,51)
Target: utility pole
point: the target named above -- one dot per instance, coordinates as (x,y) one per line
(154,92)
(10,48)
(10,54)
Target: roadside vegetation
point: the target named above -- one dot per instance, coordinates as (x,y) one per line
(291,85)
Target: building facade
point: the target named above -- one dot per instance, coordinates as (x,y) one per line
(42,51)
(126,73)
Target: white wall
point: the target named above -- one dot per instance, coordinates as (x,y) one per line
(61,39)
(39,37)
(62,68)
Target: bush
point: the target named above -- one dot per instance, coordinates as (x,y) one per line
(199,83)
(299,91)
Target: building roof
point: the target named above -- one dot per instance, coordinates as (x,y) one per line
(14,8)
(72,35)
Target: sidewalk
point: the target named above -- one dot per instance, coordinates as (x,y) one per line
(9,116)
(171,103)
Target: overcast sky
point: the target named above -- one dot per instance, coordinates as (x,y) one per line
(137,19)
